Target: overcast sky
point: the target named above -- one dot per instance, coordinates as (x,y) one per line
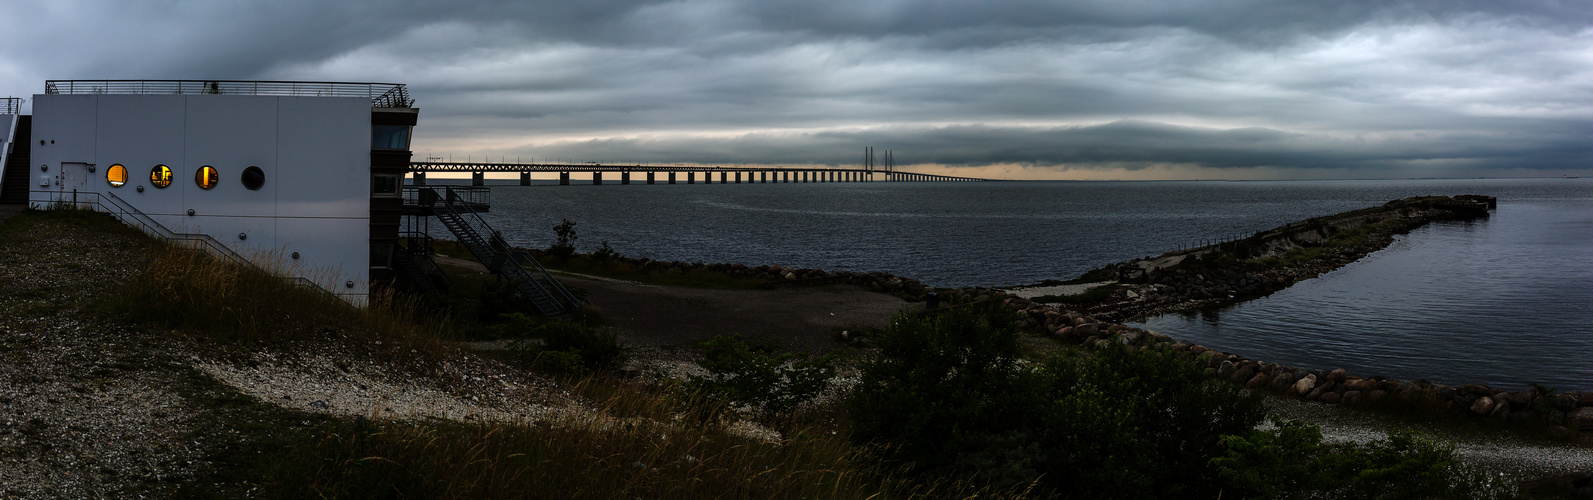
(1109,89)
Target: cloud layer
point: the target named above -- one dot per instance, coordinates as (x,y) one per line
(1440,88)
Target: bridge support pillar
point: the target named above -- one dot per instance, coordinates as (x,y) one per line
(650,177)
(525,178)
(691,177)
(671,177)
(738,177)
(625,178)
(478,178)
(723,176)
(420,179)
(564,178)
(597,178)
(763,177)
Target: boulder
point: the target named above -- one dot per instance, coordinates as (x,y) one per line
(1376,396)
(1282,381)
(1243,375)
(1085,330)
(1330,397)
(1519,400)
(1581,419)
(1501,406)
(1353,398)
(1337,375)
(1304,385)
(1260,380)
(1226,369)
(1559,432)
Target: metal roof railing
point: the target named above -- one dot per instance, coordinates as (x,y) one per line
(10,105)
(382,95)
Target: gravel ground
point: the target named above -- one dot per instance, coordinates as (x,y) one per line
(1494,452)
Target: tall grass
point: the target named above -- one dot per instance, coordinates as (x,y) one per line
(192,291)
(649,443)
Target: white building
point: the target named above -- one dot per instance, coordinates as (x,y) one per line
(306,174)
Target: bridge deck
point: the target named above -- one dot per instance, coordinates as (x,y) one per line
(807,174)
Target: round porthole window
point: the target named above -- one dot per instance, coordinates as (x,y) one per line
(160,176)
(116,175)
(205,177)
(253,178)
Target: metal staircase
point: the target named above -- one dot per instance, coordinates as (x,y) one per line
(536,284)
(14,187)
(132,216)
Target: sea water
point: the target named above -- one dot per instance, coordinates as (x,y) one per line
(1504,301)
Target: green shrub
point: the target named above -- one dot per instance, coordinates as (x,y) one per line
(1292,461)
(596,348)
(564,244)
(773,383)
(949,393)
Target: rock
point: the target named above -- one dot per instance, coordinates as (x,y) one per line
(1315,393)
(1085,330)
(1376,396)
(790,275)
(1197,350)
(1354,398)
(1565,402)
(1519,400)
(1243,375)
(1586,399)
(1065,332)
(1259,380)
(1476,389)
(1581,419)
(1559,432)
(1483,406)
(1330,397)
(1501,406)
(1337,375)
(1282,381)
(1226,369)
(1305,385)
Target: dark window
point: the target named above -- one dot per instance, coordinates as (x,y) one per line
(384,185)
(253,178)
(389,137)
(382,255)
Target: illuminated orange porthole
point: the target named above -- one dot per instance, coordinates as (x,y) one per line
(205,177)
(160,176)
(116,175)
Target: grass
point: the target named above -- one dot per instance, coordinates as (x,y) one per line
(617,269)
(1090,296)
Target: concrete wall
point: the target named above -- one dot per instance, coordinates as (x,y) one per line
(8,129)
(315,152)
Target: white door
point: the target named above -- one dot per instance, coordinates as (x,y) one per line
(74,184)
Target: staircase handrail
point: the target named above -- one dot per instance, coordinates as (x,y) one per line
(515,256)
(456,204)
(129,214)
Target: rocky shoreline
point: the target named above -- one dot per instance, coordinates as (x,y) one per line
(1223,274)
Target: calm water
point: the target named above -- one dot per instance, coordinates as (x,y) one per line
(1502,301)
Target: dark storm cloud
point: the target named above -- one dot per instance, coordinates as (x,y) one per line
(1231,84)
(1125,144)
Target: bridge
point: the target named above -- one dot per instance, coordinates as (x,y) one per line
(674,174)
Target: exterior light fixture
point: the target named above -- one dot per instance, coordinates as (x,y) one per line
(44,168)
(349,283)
(190,212)
(243,236)
(140,189)
(295,255)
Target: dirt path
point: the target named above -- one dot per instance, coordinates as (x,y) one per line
(800,318)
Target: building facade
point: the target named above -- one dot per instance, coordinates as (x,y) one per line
(302,178)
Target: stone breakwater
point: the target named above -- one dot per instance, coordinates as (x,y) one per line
(1234,271)
(1562,413)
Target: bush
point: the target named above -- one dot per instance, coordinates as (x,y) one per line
(1292,461)
(604,253)
(949,393)
(564,244)
(562,342)
(772,383)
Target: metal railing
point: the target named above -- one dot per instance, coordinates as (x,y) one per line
(382,95)
(499,253)
(475,196)
(10,105)
(132,216)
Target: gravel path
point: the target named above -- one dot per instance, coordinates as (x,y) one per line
(1493,451)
